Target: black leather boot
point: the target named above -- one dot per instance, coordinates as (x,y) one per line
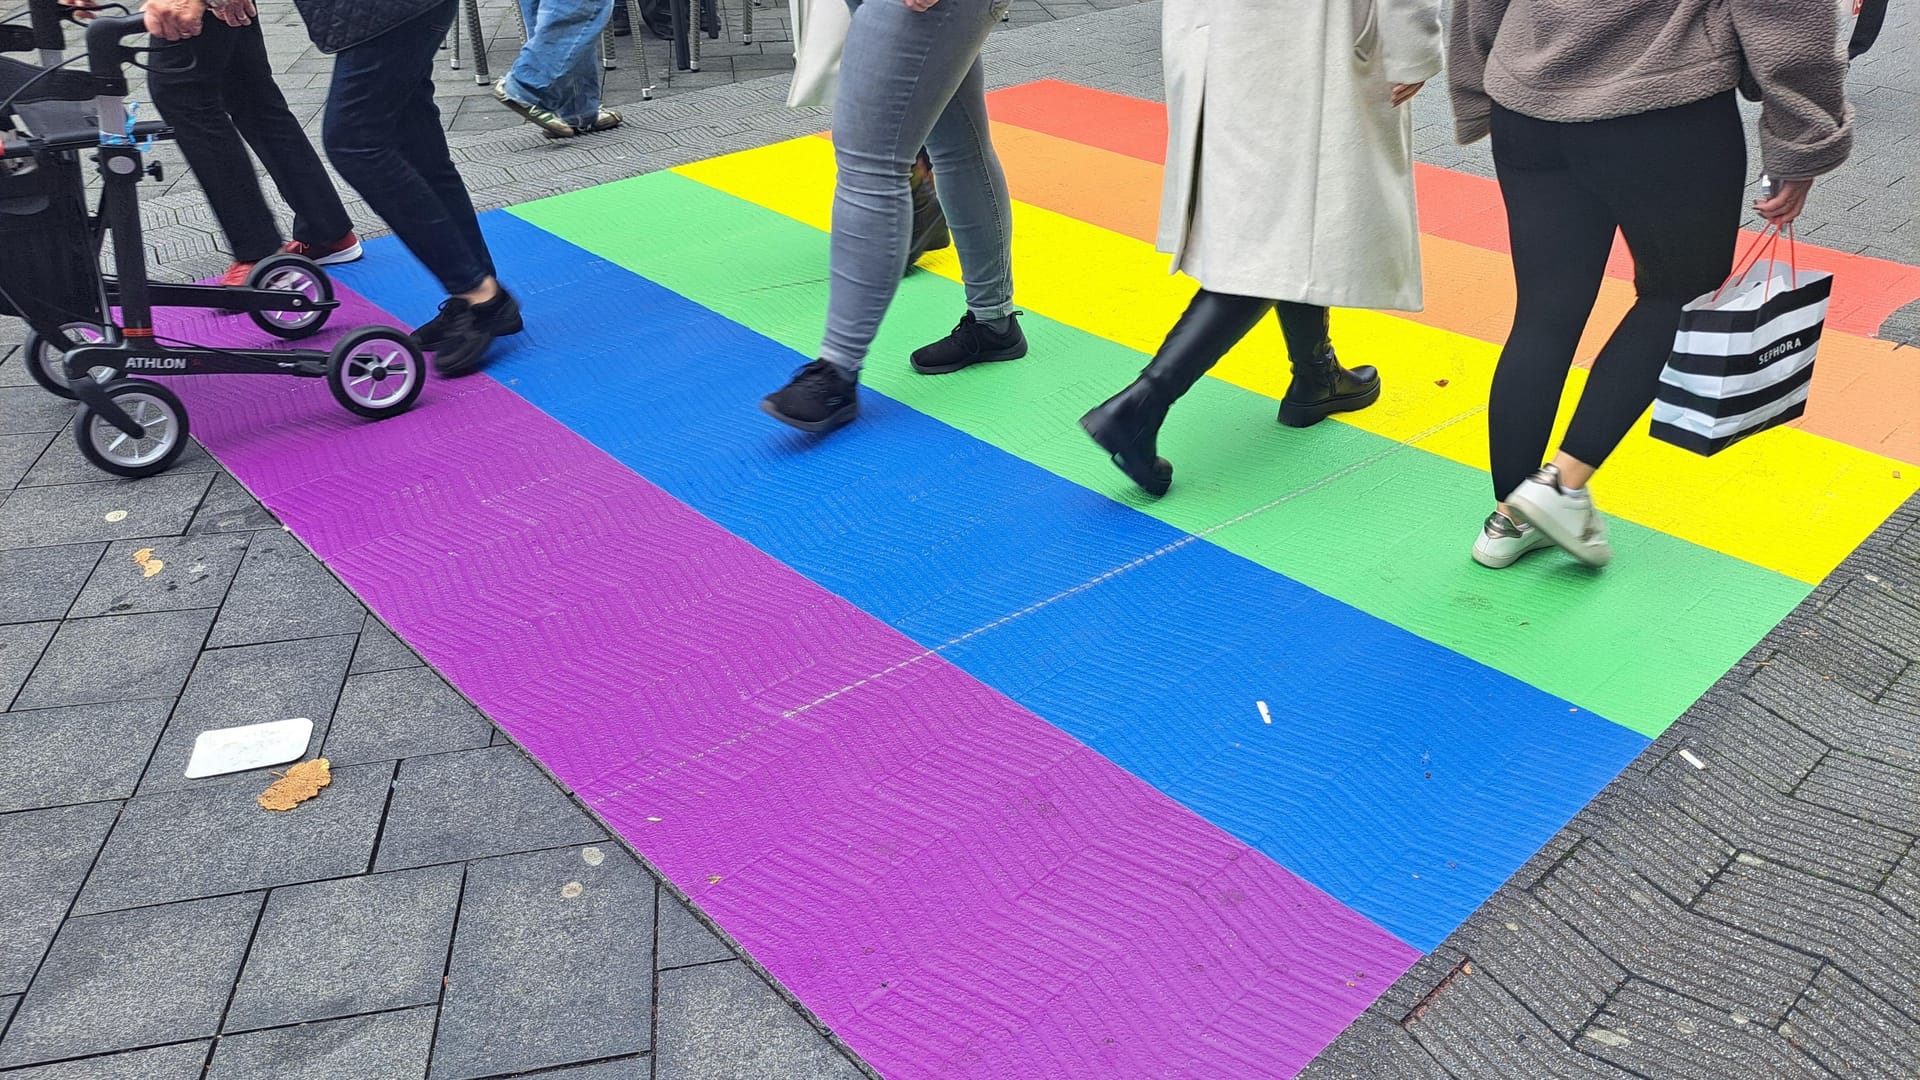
(1127,425)
(929,217)
(1321,387)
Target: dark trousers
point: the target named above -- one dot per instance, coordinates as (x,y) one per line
(1670,182)
(1216,322)
(382,132)
(217,90)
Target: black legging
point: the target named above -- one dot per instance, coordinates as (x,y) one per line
(1670,181)
(1220,320)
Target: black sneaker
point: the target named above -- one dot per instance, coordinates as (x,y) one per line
(501,315)
(820,397)
(462,332)
(971,343)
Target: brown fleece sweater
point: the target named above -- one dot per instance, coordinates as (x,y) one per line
(1574,60)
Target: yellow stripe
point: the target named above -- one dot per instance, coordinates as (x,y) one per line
(1791,502)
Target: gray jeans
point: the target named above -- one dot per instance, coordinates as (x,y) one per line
(910,79)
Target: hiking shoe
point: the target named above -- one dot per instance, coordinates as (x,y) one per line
(236,275)
(604,120)
(500,316)
(539,116)
(1503,541)
(1568,518)
(972,342)
(820,397)
(344,250)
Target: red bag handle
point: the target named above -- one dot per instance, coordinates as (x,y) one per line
(1753,253)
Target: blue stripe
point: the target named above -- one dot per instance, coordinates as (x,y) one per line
(1402,778)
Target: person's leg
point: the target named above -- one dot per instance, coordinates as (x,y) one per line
(1561,236)
(381,126)
(559,67)
(188,83)
(376,87)
(1673,179)
(260,112)
(1127,425)
(1320,386)
(898,73)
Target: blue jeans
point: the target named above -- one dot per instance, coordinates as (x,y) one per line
(559,67)
(382,132)
(910,79)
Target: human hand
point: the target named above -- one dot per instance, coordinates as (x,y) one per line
(920,5)
(237,12)
(1786,203)
(174,20)
(82,9)
(1403,92)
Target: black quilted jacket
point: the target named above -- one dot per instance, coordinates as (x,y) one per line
(341,24)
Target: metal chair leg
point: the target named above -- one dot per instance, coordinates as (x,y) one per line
(697,26)
(746,20)
(639,28)
(481,74)
(453,43)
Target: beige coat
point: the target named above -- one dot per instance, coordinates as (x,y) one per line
(1302,186)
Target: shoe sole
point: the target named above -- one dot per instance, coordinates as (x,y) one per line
(1302,416)
(837,420)
(990,358)
(344,255)
(525,112)
(1565,541)
(465,362)
(1501,564)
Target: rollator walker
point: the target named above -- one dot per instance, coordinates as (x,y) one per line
(91,335)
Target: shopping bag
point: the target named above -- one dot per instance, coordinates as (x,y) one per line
(820,34)
(1743,357)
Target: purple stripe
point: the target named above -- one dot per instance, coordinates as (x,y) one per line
(950,883)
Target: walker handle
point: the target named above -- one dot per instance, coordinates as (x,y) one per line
(106,56)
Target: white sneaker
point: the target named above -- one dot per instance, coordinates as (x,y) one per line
(1568,518)
(1503,541)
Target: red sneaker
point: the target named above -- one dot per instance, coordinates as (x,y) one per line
(344,250)
(236,274)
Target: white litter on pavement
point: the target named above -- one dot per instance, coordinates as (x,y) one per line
(251,746)
(1693,761)
(1265,716)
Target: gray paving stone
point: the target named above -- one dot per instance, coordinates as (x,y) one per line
(30,409)
(386,1046)
(1546,964)
(61,463)
(1653,1031)
(379,650)
(207,841)
(117,658)
(7,1005)
(79,754)
(1884,794)
(394,714)
(194,572)
(77,513)
(21,647)
(353,945)
(228,508)
(1475,1028)
(133,978)
(1851,1031)
(250,684)
(42,583)
(637,1067)
(1372,1048)
(47,854)
(180,1061)
(684,939)
(281,593)
(19,451)
(551,965)
(721,1022)
(446,808)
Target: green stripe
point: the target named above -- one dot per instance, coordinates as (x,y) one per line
(1375,524)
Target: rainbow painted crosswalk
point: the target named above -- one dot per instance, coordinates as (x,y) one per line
(999,768)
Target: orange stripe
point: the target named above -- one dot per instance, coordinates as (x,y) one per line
(1453,205)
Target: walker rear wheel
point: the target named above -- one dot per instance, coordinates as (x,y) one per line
(46,359)
(154,408)
(296,274)
(376,372)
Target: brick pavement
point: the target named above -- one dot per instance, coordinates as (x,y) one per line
(1755,918)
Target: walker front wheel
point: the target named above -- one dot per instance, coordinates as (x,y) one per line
(46,358)
(287,272)
(155,409)
(376,372)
